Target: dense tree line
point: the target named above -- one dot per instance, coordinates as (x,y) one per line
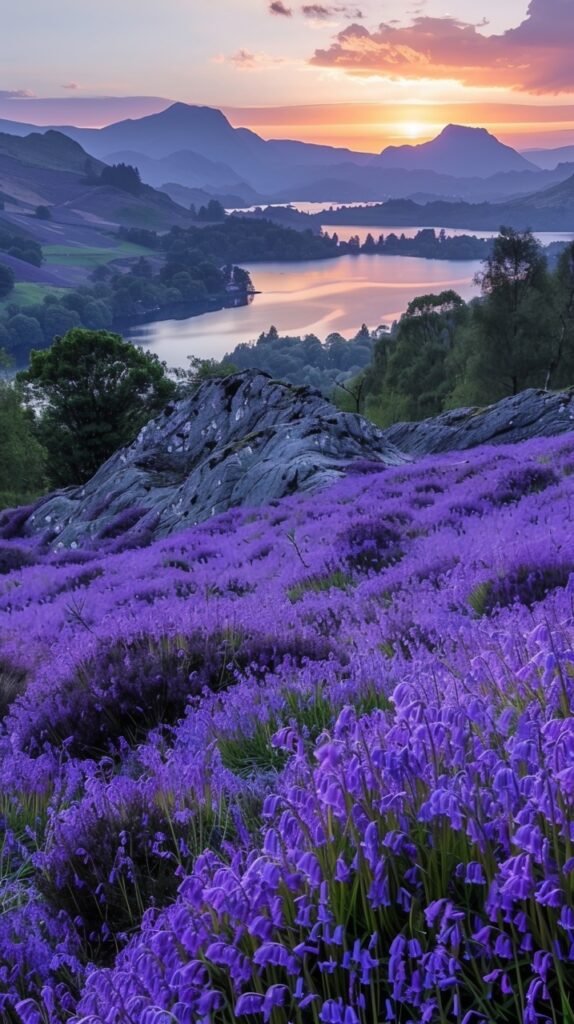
(426,244)
(305,360)
(444,353)
(123,177)
(7,280)
(240,239)
(22,457)
(213,212)
(116,298)
(21,247)
(483,216)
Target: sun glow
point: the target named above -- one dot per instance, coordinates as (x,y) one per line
(412,129)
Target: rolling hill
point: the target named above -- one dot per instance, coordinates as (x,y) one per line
(559,197)
(52,170)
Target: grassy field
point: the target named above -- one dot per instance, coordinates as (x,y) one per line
(89,257)
(27,294)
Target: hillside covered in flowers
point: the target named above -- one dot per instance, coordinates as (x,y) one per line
(310,763)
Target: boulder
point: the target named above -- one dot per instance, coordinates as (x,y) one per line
(529,414)
(241,440)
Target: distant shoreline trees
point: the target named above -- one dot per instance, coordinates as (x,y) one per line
(443,353)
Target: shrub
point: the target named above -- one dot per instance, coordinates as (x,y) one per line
(12,558)
(119,852)
(129,687)
(521,482)
(525,585)
(12,684)
(371,545)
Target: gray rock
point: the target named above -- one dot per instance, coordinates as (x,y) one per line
(529,414)
(244,440)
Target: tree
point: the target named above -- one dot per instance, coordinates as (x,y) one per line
(560,367)
(58,320)
(7,280)
(416,381)
(25,334)
(22,458)
(355,390)
(511,321)
(96,391)
(200,370)
(122,176)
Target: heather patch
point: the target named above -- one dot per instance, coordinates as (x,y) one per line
(525,585)
(310,764)
(123,850)
(521,482)
(13,519)
(128,688)
(370,546)
(12,684)
(14,557)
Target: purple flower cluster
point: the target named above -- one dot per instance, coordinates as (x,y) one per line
(308,763)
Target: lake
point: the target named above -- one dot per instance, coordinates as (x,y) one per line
(314,297)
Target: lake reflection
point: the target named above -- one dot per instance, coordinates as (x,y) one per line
(315,297)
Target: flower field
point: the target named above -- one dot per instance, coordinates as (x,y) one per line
(312,763)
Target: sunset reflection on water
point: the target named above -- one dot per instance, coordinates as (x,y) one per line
(310,298)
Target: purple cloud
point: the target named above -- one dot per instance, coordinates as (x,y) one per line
(16,94)
(277,7)
(321,12)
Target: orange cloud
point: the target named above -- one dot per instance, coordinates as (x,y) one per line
(535,57)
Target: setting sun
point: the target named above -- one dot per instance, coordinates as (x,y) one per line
(412,129)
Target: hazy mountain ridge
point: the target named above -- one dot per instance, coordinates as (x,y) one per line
(559,197)
(550,159)
(197,147)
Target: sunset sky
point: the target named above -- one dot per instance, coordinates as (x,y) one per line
(363,74)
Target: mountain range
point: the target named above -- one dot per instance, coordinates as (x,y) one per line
(550,159)
(197,148)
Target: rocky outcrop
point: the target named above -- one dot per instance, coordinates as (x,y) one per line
(529,414)
(244,440)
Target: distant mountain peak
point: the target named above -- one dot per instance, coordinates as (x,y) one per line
(459,150)
(188,113)
(464,131)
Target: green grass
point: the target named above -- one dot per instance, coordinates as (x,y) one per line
(27,294)
(89,257)
(335,580)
